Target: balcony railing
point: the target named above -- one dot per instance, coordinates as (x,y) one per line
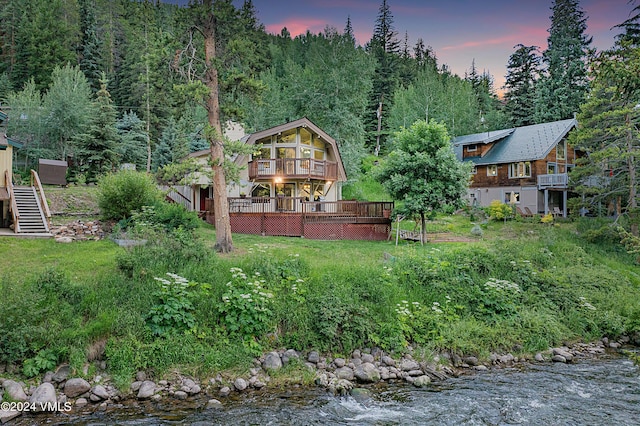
(560,180)
(298,168)
(343,208)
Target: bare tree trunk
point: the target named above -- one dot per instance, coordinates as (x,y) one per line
(224,242)
(423,231)
(633,202)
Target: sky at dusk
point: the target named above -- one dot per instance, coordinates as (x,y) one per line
(459,31)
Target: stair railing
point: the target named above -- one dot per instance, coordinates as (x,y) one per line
(35,181)
(14,207)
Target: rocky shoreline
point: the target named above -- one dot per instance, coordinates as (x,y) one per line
(59,392)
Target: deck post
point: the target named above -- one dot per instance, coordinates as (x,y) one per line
(546,202)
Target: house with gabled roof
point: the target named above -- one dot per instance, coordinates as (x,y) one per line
(526,166)
(291,185)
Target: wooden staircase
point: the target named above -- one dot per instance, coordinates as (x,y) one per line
(32,218)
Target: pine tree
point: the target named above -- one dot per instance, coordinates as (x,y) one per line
(385,48)
(96,149)
(89,51)
(608,131)
(520,85)
(132,146)
(564,85)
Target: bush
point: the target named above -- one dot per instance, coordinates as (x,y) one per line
(122,193)
(500,211)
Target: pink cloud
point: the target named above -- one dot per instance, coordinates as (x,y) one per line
(521,35)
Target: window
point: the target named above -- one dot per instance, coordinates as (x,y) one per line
(305,137)
(474,170)
(472,148)
(512,197)
(551,168)
(261,190)
(492,170)
(263,154)
(288,136)
(520,170)
(561,151)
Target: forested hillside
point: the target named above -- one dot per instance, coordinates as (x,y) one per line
(106,82)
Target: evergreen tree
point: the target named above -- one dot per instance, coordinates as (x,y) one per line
(609,131)
(96,149)
(89,50)
(564,83)
(631,28)
(26,123)
(385,48)
(520,85)
(132,146)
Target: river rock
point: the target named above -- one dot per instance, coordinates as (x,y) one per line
(147,389)
(240,384)
(367,373)
(539,357)
(48,377)
(141,376)
(81,402)
(225,391)
(313,357)
(258,384)
(471,360)
(506,359)
(480,367)
(421,381)
(340,386)
(563,353)
(100,392)
(44,395)
(289,355)
(76,387)
(8,415)
(14,391)
(339,362)
(388,361)
(272,362)
(415,373)
(214,404)
(61,374)
(558,358)
(367,358)
(408,365)
(356,354)
(180,395)
(344,373)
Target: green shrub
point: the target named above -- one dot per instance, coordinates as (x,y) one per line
(166,215)
(122,193)
(500,211)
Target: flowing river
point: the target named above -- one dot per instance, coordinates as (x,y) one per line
(593,392)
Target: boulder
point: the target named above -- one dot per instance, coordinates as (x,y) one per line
(289,355)
(272,362)
(225,391)
(76,387)
(568,356)
(388,361)
(313,357)
(408,365)
(147,389)
(100,392)
(339,362)
(421,381)
(558,358)
(81,402)
(8,415)
(361,395)
(182,395)
(43,396)
(344,373)
(367,373)
(539,357)
(14,391)
(61,374)
(214,404)
(367,358)
(240,384)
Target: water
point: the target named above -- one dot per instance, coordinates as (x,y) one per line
(596,392)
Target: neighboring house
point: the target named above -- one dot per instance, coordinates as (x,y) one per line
(291,185)
(526,166)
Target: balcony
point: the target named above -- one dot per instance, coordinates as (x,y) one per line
(294,168)
(558,181)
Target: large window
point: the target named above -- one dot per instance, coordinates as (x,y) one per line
(492,170)
(520,170)
(561,151)
(472,148)
(512,197)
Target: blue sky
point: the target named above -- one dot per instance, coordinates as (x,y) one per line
(459,31)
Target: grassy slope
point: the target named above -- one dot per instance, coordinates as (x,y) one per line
(348,298)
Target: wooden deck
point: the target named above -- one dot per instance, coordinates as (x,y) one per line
(293,216)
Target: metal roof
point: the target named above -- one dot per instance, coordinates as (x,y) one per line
(526,143)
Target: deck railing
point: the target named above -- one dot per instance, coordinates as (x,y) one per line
(560,180)
(14,207)
(293,168)
(35,182)
(343,208)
